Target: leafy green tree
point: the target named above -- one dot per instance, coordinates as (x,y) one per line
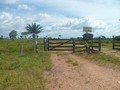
(102,37)
(13,34)
(34,29)
(1,37)
(59,36)
(87,36)
(24,34)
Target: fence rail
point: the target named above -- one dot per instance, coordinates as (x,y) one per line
(116,43)
(70,44)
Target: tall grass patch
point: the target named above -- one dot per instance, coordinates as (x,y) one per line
(102,58)
(22,72)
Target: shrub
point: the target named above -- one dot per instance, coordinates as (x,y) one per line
(87,36)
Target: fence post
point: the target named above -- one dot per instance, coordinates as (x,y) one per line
(113,42)
(47,44)
(21,50)
(99,42)
(92,43)
(36,46)
(73,45)
(44,43)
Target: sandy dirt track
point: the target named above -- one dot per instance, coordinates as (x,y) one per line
(84,76)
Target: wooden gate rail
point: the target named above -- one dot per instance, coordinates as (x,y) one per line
(96,44)
(60,44)
(70,44)
(116,43)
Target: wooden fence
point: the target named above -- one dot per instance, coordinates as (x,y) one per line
(71,45)
(96,44)
(116,43)
(60,44)
(79,45)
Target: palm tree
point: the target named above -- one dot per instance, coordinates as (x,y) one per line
(33,29)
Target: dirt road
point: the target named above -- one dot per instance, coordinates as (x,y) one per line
(70,72)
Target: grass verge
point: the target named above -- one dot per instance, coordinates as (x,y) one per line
(102,59)
(22,72)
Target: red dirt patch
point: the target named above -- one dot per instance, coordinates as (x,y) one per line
(85,76)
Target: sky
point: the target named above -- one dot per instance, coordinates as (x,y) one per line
(61,17)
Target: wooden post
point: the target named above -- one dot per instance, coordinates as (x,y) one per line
(36,46)
(21,50)
(92,43)
(99,43)
(47,44)
(44,44)
(73,45)
(113,42)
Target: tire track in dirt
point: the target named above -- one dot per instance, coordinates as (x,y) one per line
(84,76)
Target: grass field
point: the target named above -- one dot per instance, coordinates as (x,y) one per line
(22,72)
(109,57)
(27,72)
(106,43)
(102,58)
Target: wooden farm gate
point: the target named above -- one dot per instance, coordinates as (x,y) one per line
(75,45)
(116,43)
(79,45)
(94,44)
(60,44)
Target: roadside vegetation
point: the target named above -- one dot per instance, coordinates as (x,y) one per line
(102,58)
(22,72)
(25,70)
(106,57)
(107,43)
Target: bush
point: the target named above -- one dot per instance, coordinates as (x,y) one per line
(87,36)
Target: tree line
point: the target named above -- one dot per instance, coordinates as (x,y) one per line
(33,29)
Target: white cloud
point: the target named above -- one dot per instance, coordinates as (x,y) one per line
(25,7)
(8,1)
(102,15)
(103,9)
(43,15)
(9,22)
(57,24)
(71,27)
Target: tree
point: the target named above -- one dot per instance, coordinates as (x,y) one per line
(87,36)
(1,37)
(33,29)
(59,36)
(102,37)
(24,34)
(13,34)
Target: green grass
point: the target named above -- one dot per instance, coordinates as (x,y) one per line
(102,58)
(22,72)
(106,43)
